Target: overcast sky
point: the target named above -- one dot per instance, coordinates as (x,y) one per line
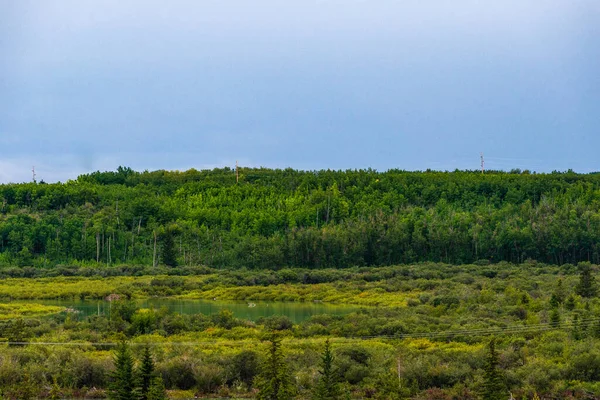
(310,84)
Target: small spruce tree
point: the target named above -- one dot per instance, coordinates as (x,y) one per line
(169,254)
(576,328)
(559,293)
(493,386)
(157,391)
(328,387)
(596,329)
(555,318)
(146,373)
(122,385)
(587,284)
(554,302)
(570,304)
(274,381)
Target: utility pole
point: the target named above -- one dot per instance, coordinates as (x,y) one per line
(482,163)
(33,171)
(237,172)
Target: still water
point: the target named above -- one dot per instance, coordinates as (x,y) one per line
(297,312)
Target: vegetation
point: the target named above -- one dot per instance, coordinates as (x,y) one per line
(327,387)
(435,264)
(123,382)
(431,344)
(493,386)
(314,219)
(274,381)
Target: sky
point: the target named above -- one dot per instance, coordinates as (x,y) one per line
(90,85)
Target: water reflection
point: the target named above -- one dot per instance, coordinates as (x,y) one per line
(297,312)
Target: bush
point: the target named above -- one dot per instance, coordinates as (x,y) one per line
(276,323)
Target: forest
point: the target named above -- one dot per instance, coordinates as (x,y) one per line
(268,219)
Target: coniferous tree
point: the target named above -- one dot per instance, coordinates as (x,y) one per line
(169,255)
(274,381)
(493,386)
(554,302)
(559,293)
(122,385)
(596,329)
(587,284)
(555,318)
(327,388)
(576,327)
(570,304)
(146,373)
(157,391)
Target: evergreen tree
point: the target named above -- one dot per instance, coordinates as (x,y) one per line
(584,324)
(274,381)
(122,385)
(554,302)
(555,318)
(570,304)
(146,373)
(559,294)
(596,329)
(493,386)
(169,255)
(576,328)
(587,284)
(327,388)
(157,391)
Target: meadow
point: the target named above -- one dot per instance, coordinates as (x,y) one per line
(421,332)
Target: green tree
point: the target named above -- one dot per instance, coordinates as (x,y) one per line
(157,391)
(596,328)
(576,330)
(146,373)
(328,387)
(555,318)
(587,284)
(169,254)
(274,381)
(17,332)
(493,386)
(559,293)
(244,367)
(27,389)
(123,385)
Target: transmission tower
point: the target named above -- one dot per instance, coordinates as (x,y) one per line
(482,163)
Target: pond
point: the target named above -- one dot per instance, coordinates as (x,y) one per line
(296,311)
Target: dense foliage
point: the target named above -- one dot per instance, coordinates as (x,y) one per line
(434,262)
(427,338)
(279,218)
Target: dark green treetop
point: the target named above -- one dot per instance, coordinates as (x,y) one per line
(587,283)
(493,385)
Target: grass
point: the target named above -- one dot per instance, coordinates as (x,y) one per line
(19,310)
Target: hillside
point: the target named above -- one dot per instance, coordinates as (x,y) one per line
(289,218)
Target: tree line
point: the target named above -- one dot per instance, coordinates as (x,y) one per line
(273,379)
(288,218)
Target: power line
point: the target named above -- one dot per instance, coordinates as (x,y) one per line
(514,329)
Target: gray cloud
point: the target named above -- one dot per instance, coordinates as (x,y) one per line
(311,84)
